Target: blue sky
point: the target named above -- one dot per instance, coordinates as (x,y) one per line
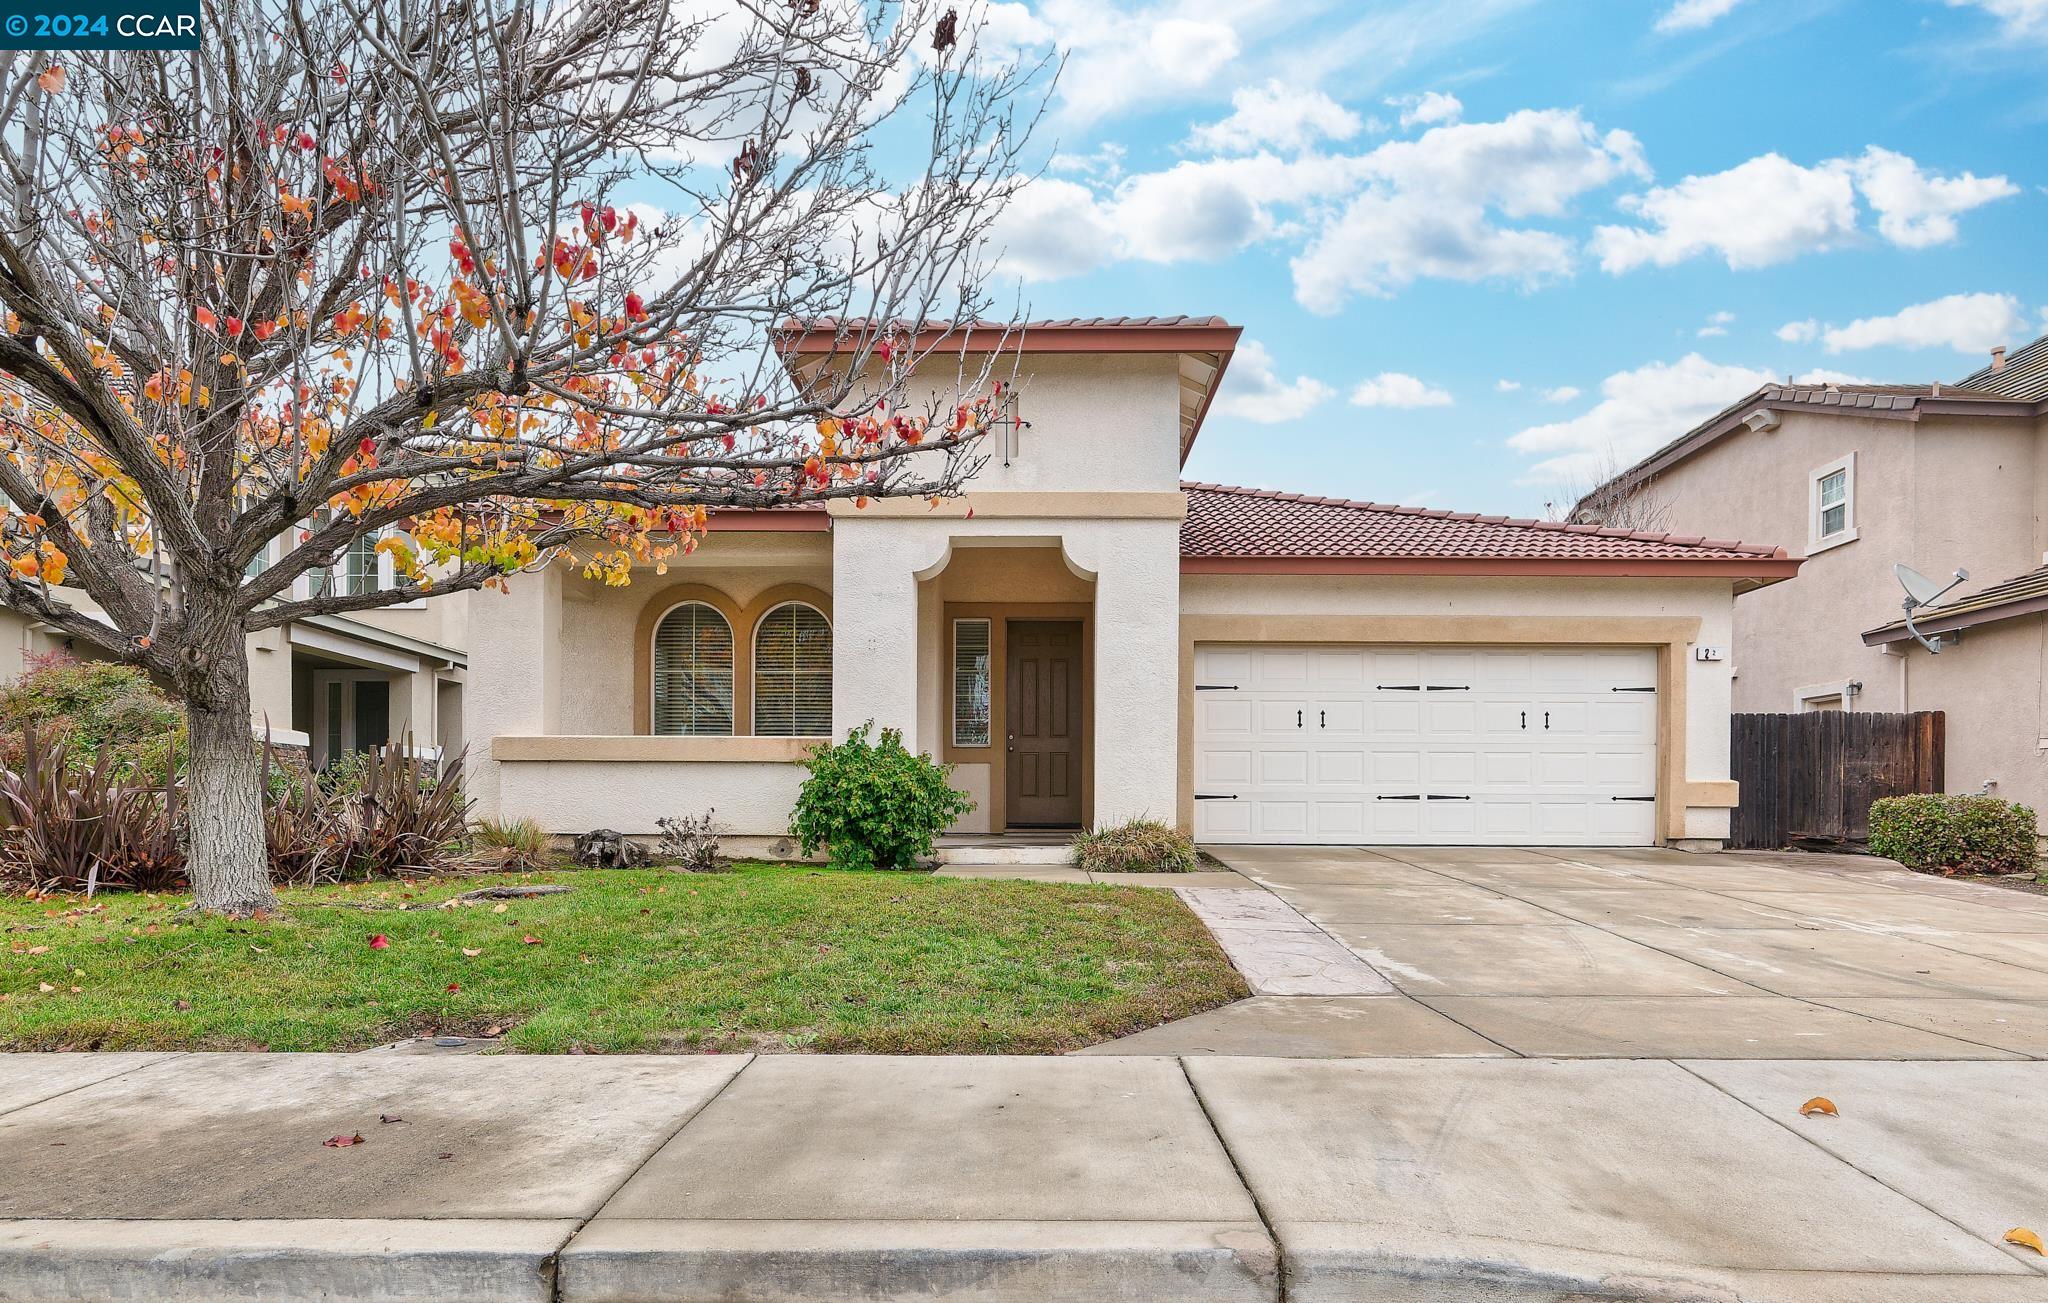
(1631,212)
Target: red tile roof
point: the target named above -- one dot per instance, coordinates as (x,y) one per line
(1237,529)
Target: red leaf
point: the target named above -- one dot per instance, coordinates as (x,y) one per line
(380,942)
(342,1142)
(455,986)
(531,940)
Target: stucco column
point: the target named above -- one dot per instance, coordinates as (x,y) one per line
(515,674)
(1137,664)
(874,623)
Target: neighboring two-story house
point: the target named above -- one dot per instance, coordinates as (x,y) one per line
(1940,477)
(1088,639)
(329,683)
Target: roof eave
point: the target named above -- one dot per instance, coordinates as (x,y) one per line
(1897,632)
(1762,570)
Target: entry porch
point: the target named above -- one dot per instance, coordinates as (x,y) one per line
(1037,656)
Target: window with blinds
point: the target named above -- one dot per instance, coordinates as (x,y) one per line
(693,672)
(793,673)
(970,683)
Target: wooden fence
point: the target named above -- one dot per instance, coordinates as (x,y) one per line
(1811,777)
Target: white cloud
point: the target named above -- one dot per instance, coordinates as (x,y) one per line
(1429,206)
(1105,162)
(1967,323)
(1691,15)
(1427,109)
(1121,59)
(1638,412)
(1755,214)
(1052,229)
(1799,332)
(1277,115)
(1916,210)
(1393,389)
(1507,386)
(2024,18)
(1561,394)
(1717,325)
(1770,209)
(1254,391)
(1823,376)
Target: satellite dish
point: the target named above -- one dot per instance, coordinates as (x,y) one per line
(1922,591)
(1918,586)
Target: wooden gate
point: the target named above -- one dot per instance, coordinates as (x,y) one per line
(1812,776)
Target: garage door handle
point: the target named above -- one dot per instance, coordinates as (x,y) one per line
(1448,687)
(1546,719)
(1439,796)
(1322,719)
(1631,798)
(1212,796)
(1416,797)
(1631,689)
(1525,719)
(1297,719)
(1215,687)
(1397,687)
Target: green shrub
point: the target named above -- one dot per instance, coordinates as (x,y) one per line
(99,711)
(874,805)
(1954,834)
(1136,846)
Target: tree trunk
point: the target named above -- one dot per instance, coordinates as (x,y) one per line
(229,864)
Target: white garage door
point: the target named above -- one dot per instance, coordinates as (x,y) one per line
(1552,746)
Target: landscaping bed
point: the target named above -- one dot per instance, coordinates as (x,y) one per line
(763,958)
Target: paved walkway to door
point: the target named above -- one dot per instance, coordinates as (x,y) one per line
(1642,953)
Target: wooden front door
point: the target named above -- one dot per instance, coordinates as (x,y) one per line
(1043,724)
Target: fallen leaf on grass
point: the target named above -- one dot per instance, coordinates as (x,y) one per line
(529,940)
(45,987)
(380,942)
(2025,1238)
(455,986)
(342,1142)
(500,907)
(1818,1104)
(471,953)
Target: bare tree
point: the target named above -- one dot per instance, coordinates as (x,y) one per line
(1616,499)
(479,279)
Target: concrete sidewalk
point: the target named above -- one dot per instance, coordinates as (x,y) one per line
(182,1177)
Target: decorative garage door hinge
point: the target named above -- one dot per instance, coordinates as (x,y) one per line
(1631,798)
(1215,687)
(1631,689)
(1213,796)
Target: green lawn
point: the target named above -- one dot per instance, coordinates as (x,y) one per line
(768,957)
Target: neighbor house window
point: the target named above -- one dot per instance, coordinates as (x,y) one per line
(793,673)
(693,672)
(1832,495)
(970,683)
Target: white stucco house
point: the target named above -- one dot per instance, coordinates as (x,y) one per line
(1086,638)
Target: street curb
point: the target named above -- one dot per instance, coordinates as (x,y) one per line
(364,1261)
(615,1260)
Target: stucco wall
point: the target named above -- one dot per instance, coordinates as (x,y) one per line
(1937,494)
(568,797)
(1991,686)
(1099,423)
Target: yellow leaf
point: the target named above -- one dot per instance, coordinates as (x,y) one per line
(471,953)
(1818,1104)
(2025,1238)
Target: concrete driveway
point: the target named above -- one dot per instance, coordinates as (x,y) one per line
(1641,953)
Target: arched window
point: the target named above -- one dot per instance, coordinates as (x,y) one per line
(793,673)
(693,672)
